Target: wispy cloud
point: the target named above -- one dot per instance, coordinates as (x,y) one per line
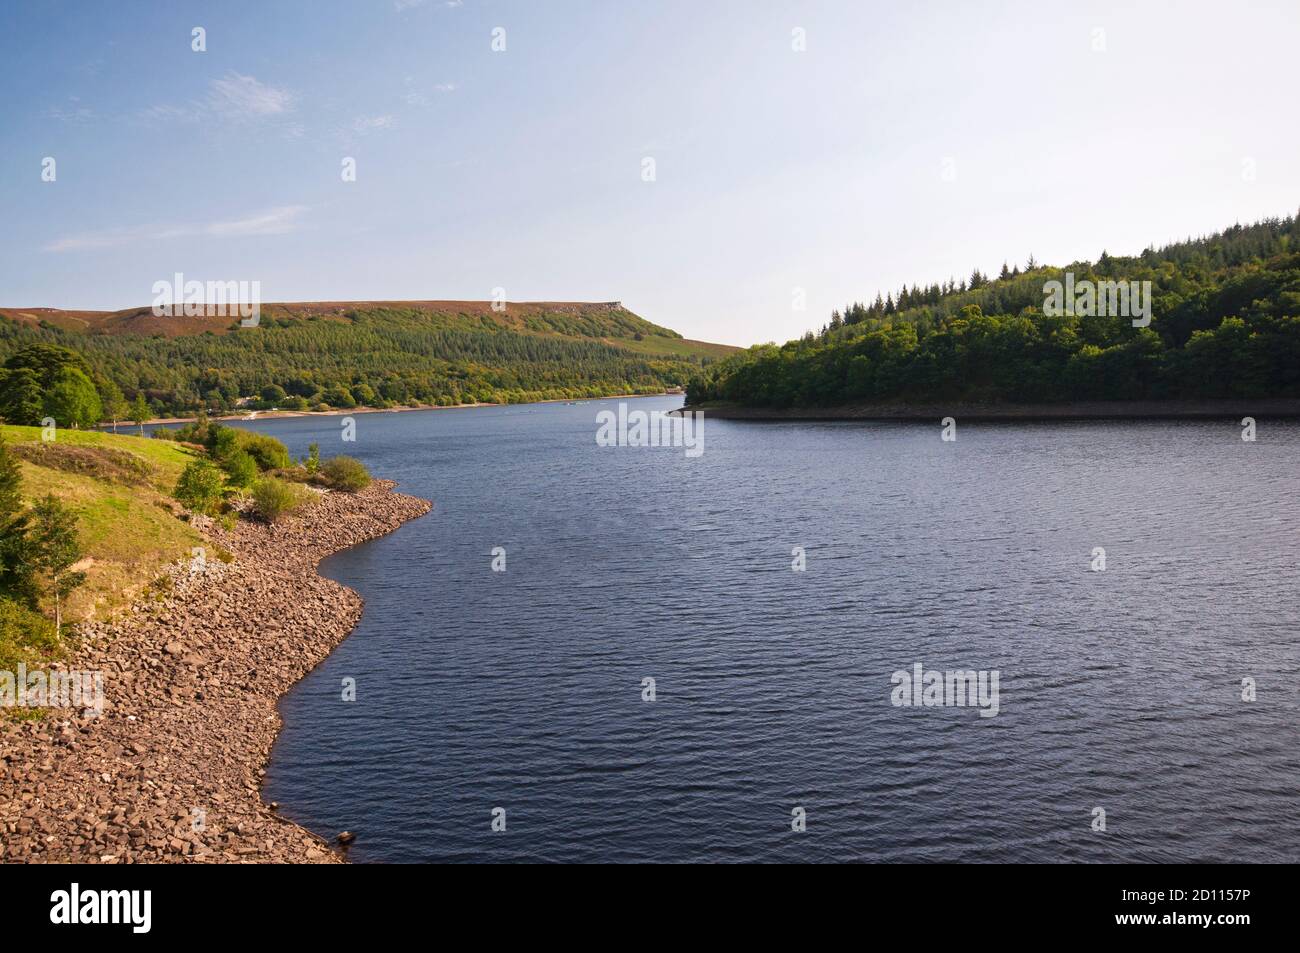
(364,124)
(165,113)
(238,97)
(416,97)
(272,221)
(72,112)
(233,98)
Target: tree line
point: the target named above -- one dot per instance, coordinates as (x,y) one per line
(1225,323)
(379,357)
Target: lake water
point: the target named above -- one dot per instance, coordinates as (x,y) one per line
(1119,689)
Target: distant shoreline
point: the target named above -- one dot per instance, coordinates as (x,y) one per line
(275,414)
(1080,410)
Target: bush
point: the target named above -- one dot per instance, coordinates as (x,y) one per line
(198,430)
(274,498)
(241,469)
(345,473)
(199,488)
(222,441)
(269,453)
(266,451)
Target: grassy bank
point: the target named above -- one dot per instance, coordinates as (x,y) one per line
(95,521)
(120,489)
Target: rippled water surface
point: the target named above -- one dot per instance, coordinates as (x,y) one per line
(1119,689)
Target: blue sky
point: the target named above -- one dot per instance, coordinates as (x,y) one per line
(908,142)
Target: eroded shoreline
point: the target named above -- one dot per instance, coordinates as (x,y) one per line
(172,770)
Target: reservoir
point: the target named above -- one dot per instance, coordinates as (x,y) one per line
(770,587)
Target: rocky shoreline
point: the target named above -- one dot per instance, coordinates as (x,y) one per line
(171,770)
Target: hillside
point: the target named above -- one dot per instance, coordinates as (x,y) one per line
(335,354)
(1224,323)
(120,488)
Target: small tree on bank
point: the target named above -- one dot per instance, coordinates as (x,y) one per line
(115,405)
(140,412)
(54,550)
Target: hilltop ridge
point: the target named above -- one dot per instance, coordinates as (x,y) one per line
(608,316)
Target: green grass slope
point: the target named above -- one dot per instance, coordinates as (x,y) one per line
(119,487)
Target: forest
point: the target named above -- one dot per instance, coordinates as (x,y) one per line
(1225,322)
(373,356)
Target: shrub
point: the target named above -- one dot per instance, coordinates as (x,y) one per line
(199,487)
(241,469)
(197,431)
(222,441)
(274,498)
(345,473)
(269,453)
